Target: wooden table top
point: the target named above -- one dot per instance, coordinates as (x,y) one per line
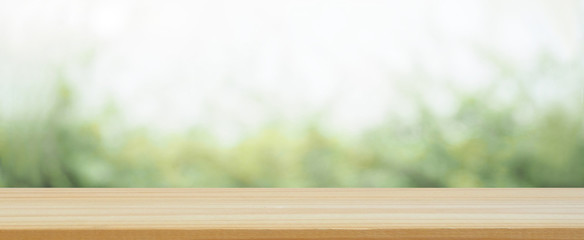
(330,213)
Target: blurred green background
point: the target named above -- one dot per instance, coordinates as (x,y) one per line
(504,133)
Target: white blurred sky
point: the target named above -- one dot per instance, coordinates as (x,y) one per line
(235,65)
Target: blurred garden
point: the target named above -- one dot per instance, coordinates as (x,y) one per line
(523,128)
(484,143)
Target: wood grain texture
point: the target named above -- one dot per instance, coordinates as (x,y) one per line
(189,214)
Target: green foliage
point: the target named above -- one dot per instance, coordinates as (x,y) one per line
(485,143)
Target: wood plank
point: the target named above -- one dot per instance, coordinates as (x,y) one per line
(181,214)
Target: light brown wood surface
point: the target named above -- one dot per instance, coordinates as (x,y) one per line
(189,214)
